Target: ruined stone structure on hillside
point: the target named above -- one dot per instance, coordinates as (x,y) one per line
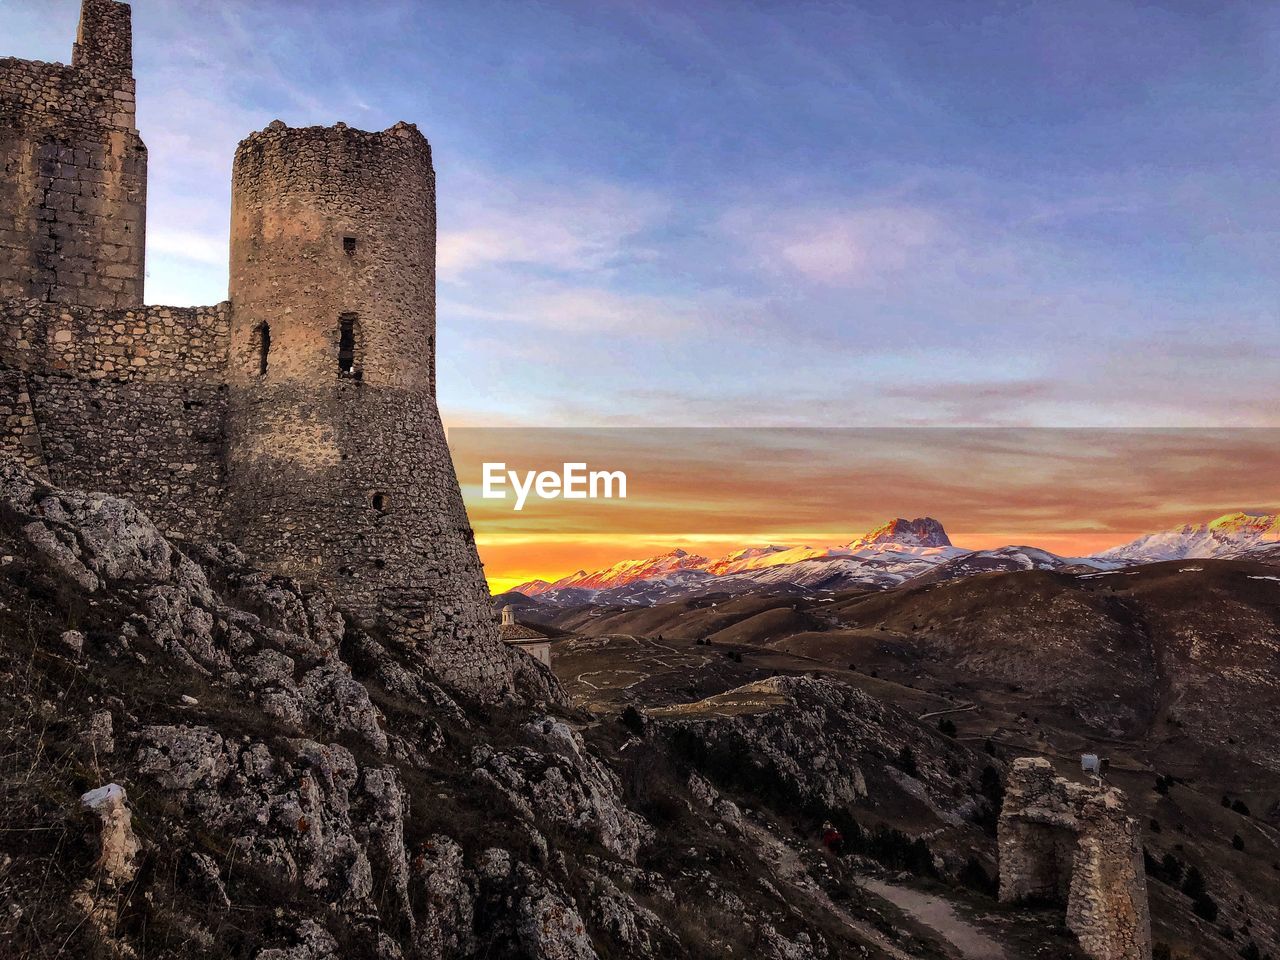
(1073,844)
(299,418)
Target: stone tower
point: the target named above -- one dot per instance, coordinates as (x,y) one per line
(338,468)
(73,190)
(1074,844)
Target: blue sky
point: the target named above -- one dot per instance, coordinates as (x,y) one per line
(833,214)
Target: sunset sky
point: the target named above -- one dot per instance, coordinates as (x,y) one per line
(774,214)
(711,491)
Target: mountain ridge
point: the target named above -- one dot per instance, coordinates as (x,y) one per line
(897,551)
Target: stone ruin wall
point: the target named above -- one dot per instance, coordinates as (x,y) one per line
(1074,845)
(126,401)
(341,478)
(73,171)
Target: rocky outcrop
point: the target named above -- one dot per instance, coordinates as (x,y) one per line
(558,780)
(119,846)
(1074,844)
(815,741)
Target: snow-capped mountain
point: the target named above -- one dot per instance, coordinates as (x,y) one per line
(1001,560)
(920,532)
(1228,536)
(886,556)
(620,574)
(751,558)
(899,551)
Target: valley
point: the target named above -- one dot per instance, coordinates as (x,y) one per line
(1170,671)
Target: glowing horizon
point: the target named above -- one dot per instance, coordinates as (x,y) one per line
(713,492)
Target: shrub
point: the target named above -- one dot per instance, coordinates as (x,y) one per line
(1205,907)
(974,875)
(1237,842)
(896,850)
(1240,807)
(946,727)
(633,720)
(1193,884)
(906,762)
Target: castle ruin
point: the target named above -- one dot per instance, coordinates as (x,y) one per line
(1073,844)
(298,419)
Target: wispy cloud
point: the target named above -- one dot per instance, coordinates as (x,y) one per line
(501,221)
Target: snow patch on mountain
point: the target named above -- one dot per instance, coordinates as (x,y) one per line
(890,554)
(1228,536)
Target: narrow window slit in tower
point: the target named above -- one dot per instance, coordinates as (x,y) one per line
(380,503)
(349,246)
(264,347)
(346,344)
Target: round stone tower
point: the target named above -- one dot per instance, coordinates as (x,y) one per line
(337,464)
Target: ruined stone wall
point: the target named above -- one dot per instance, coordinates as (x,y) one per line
(73,189)
(338,468)
(130,402)
(301,424)
(1073,844)
(19,434)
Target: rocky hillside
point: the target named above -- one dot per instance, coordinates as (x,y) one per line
(201,760)
(1169,671)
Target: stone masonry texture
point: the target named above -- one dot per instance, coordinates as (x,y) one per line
(1073,844)
(73,193)
(298,419)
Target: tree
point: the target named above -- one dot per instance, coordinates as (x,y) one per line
(1193,884)
(1237,841)
(633,720)
(907,762)
(946,727)
(1205,907)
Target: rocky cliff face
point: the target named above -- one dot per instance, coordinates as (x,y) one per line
(201,760)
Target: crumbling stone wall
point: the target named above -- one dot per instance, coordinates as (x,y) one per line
(19,434)
(73,191)
(1073,844)
(126,401)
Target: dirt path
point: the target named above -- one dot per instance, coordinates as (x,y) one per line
(939,915)
(791,870)
(967,708)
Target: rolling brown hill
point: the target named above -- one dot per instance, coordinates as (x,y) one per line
(1171,671)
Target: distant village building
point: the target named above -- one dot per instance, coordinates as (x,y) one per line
(531,641)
